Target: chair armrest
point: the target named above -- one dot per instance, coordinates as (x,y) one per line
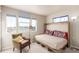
(25,38)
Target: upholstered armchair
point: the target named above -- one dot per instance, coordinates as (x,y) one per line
(20,44)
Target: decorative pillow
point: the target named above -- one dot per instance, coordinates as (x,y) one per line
(55,33)
(51,32)
(47,31)
(60,34)
(66,35)
(19,39)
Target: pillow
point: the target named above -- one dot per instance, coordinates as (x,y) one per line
(66,35)
(16,35)
(60,34)
(47,31)
(55,33)
(19,39)
(51,32)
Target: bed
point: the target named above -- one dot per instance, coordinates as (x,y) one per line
(51,41)
(54,40)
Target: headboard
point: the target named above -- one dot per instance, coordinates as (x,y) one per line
(58,29)
(63,26)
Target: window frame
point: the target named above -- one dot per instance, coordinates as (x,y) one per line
(23,22)
(36,24)
(30,23)
(60,18)
(6,23)
(17,23)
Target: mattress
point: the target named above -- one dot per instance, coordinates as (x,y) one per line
(51,41)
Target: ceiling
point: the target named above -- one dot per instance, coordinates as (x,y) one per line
(43,9)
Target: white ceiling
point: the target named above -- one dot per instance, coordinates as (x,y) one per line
(43,9)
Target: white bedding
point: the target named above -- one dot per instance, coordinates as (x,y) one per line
(52,41)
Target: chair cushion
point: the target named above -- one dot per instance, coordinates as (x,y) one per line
(24,41)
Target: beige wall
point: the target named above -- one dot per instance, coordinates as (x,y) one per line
(74,26)
(6,40)
(0,8)
(0,28)
(58,26)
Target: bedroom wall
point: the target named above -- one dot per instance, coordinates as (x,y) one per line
(74,26)
(6,40)
(59,26)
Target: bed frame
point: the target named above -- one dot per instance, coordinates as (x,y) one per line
(52,49)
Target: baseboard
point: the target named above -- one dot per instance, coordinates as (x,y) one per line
(3,49)
(75,47)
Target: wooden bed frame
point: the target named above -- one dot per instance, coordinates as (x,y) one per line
(49,48)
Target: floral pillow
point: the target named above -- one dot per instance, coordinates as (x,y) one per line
(60,34)
(49,32)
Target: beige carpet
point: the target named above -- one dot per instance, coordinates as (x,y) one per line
(37,48)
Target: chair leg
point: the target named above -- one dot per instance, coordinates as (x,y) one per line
(13,49)
(20,50)
(29,46)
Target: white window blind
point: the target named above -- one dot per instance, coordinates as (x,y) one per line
(11,23)
(23,24)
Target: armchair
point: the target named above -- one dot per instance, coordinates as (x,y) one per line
(22,44)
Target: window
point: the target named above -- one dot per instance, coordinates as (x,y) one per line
(60,19)
(34,25)
(23,24)
(11,23)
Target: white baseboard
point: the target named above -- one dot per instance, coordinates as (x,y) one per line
(75,47)
(3,49)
